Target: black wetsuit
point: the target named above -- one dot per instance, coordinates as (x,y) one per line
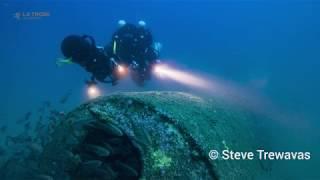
(83,51)
(133,46)
(99,66)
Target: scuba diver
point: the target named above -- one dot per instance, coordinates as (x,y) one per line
(83,51)
(131,49)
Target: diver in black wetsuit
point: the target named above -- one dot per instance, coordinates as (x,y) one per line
(132,48)
(83,51)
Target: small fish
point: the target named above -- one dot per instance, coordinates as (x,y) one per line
(52,118)
(98,150)
(43,177)
(126,169)
(62,113)
(27,126)
(20,139)
(56,115)
(39,125)
(3,129)
(65,98)
(41,110)
(25,118)
(47,104)
(35,147)
(2,151)
(19,154)
(91,164)
(54,112)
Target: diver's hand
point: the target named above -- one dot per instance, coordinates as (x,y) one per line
(91,82)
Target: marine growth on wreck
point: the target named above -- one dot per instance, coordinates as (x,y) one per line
(145,135)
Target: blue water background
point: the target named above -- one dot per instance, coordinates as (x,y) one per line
(272,47)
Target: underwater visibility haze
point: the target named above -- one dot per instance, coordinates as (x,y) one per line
(230,75)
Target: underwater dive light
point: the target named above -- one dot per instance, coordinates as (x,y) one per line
(93,91)
(183,77)
(121,69)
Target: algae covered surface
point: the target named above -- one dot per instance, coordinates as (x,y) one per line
(206,124)
(148,135)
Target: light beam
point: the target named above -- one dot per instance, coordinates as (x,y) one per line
(182,77)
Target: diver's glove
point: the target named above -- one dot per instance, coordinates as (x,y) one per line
(62,61)
(91,82)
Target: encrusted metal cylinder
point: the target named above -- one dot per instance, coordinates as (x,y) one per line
(150,135)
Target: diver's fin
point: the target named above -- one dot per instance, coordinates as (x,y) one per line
(61,61)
